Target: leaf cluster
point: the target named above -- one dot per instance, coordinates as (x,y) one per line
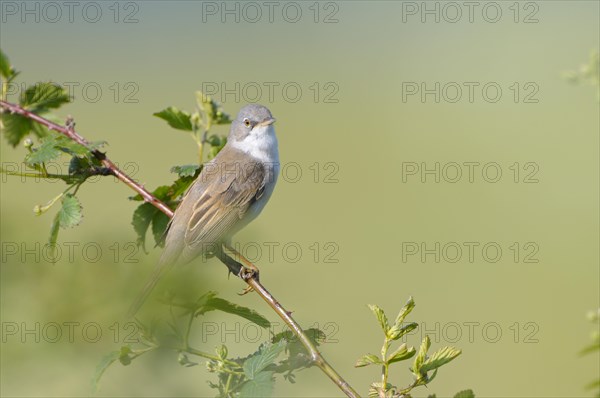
(250,376)
(207,114)
(44,98)
(424,367)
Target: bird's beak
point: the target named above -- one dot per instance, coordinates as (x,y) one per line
(267,122)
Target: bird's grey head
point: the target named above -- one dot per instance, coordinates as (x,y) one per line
(252,121)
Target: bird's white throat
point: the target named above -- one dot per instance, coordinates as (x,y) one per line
(261,144)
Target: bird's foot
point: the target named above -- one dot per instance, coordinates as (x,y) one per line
(247,274)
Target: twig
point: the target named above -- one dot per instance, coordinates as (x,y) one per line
(72,134)
(315,355)
(252,281)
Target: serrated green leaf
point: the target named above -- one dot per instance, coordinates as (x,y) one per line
(187,170)
(260,386)
(79,165)
(176,118)
(142,217)
(46,152)
(159,226)
(439,358)
(95,145)
(368,359)
(217,303)
(15,127)
(69,146)
(43,96)
(40,130)
(265,356)
(465,394)
(70,213)
(180,186)
(297,357)
(401,354)
(104,363)
(381,318)
(420,358)
(399,330)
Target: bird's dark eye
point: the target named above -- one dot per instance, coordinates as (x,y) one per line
(246,122)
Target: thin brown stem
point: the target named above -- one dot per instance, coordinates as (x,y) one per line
(252,281)
(315,355)
(72,134)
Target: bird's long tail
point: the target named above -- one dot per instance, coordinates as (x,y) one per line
(161,269)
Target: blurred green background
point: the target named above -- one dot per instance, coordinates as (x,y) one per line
(363,128)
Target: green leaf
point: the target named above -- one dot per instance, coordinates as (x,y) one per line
(401,354)
(95,145)
(188,170)
(177,119)
(39,129)
(465,394)
(216,303)
(439,358)
(265,356)
(368,359)
(15,127)
(260,386)
(69,146)
(381,318)
(399,330)
(46,152)
(217,143)
(408,307)
(169,193)
(420,358)
(43,96)
(79,165)
(70,213)
(104,363)
(179,187)
(297,358)
(159,226)
(211,108)
(377,390)
(7,71)
(42,131)
(142,217)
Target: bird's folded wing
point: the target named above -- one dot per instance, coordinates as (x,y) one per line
(223,202)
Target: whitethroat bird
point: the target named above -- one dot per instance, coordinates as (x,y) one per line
(231,191)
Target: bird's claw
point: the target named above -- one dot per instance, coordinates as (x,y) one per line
(247,274)
(246,291)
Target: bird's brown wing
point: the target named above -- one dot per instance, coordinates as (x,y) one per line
(223,202)
(213,204)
